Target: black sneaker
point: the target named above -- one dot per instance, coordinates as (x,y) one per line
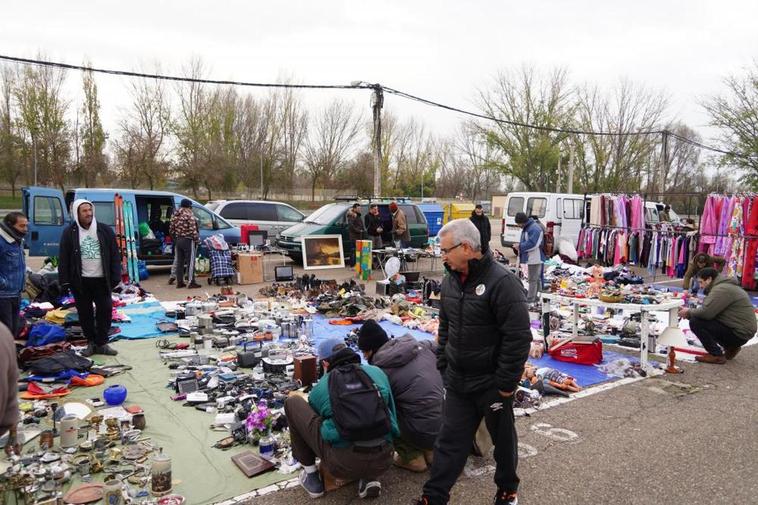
(106,350)
(171,280)
(506,498)
(194,285)
(312,484)
(369,488)
(424,500)
(89,351)
(180,285)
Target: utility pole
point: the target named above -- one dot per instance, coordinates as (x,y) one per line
(571,171)
(377,101)
(664,162)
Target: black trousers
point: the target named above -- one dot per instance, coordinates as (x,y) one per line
(9,314)
(714,335)
(95,323)
(461,417)
(184,249)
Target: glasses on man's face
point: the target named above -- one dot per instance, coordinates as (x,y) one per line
(447,251)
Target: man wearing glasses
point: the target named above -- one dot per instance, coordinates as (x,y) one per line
(484,340)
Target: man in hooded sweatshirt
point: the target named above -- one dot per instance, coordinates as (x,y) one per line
(12,269)
(90,265)
(411,366)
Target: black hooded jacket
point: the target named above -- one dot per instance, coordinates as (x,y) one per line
(482,224)
(484,333)
(70,260)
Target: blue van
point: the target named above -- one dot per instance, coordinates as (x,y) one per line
(49,213)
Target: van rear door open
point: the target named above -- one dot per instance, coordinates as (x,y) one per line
(48,216)
(511,233)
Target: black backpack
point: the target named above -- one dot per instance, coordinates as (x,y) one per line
(358,409)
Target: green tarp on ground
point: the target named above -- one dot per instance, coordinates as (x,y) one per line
(202,474)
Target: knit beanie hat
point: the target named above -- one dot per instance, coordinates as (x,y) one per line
(371,336)
(186,203)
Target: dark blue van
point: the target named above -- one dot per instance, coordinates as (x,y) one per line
(48,212)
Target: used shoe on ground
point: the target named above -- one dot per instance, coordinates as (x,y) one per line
(89,351)
(731,352)
(710,358)
(506,498)
(312,484)
(417,464)
(106,350)
(369,488)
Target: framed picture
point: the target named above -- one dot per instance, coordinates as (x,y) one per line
(322,251)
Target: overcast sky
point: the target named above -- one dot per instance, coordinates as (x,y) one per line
(442,50)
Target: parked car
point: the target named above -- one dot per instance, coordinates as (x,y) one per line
(330,220)
(49,213)
(274,217)
(560,212)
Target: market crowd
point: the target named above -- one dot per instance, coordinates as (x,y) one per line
(414,404)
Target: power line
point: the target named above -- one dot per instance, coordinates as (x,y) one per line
(363,85)
(161,77)
(523,125)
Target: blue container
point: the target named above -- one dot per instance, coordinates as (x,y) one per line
(114,395)
(434,214)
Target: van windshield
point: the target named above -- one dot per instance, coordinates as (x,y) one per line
(326,214)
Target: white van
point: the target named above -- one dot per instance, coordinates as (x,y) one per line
(561,213)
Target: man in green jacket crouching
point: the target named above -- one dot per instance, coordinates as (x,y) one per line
(326,425)
(726,319)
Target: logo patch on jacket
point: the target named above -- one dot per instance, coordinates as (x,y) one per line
(480,289)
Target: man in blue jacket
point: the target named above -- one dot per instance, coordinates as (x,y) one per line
(530,253)
(13,228)
(313,431)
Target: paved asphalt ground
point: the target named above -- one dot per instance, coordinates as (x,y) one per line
(684,439)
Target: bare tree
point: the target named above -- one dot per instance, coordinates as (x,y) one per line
(11,166)
(616,162)
(482,175)
(42,119)
(735,113)
(293,120)
(525,97)
(91,133)
(144,135)
(331,142)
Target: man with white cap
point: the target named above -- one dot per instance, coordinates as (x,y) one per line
(90,265)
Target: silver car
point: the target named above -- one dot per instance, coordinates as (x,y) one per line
(274,217)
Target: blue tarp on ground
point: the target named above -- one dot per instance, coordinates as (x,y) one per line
(585,375)
(144,316)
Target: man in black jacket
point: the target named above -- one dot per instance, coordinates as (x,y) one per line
(355,231)
(90,266)
(482,224)
(374,227)
(416,385)
(484,340)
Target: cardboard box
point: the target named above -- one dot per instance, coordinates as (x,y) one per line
(250,268)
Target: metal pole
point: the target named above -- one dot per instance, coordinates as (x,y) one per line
(664,161)
(376,103)
(34,148)
(571,171)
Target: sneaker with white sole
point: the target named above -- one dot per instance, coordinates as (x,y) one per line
(312,484)
(369,488)
(505,498)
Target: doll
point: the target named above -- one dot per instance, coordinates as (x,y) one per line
(552,377)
